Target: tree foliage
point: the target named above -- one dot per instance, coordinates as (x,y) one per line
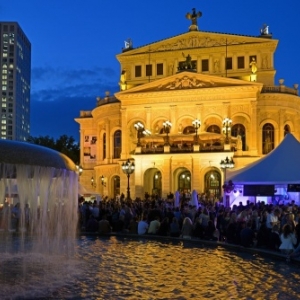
(64,144)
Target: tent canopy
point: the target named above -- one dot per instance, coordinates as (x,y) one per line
(280,166)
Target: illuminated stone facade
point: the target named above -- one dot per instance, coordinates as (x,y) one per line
(196,75)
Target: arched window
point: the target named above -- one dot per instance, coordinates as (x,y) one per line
(214,128)
(184,181)
(287,129)
(267,138)
(117,144)
(188,130)
(116,186)
(104,146)
(157,183)
(239,130)
(213,184)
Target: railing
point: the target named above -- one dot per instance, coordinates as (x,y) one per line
(279,89)
(184,149)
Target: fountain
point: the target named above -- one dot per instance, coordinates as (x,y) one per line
(38,211)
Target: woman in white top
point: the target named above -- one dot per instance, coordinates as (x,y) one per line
(288,240)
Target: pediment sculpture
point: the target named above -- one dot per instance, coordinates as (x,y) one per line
(185,83)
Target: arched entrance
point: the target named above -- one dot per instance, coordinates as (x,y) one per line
(153,182)
(184,181)
(213,184)
(157,183)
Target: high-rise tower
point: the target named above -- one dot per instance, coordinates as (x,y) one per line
(15,58)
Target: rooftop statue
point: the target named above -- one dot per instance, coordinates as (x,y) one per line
(193,16)
(265,30)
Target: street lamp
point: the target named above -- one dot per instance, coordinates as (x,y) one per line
(128,168)
(93,183)
(226,164)
(196,123)
(226,129)
(79,170)
(167,125)
(141,131)
(102,181)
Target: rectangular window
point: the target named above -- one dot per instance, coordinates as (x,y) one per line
(138,71)
(228,63)
(204,65)
(148,70)
(160,69)
(241,62)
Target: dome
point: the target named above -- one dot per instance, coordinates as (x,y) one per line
(23,153)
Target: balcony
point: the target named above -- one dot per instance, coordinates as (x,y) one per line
(280,89)
(208,142)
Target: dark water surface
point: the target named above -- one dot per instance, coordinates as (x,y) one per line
(123,268)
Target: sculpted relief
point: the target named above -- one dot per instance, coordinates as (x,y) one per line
(197,42)
(186,82)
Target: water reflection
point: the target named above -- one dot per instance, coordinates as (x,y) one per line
(120,268)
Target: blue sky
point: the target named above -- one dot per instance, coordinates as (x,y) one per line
(74,44)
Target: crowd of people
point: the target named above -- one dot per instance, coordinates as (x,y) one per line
(260,225)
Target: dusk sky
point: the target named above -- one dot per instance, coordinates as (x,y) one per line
(74,44)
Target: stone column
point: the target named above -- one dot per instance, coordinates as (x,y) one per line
(108,140)
(253,129)
(125,135)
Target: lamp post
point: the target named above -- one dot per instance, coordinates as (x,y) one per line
(196,123)
(226,129)
(226,164)
(141,131)
(139,128)
(167,125)
(79,170)
(128,168)
(102,181)
(93,183)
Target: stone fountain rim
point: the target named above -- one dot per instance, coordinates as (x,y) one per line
(24,153)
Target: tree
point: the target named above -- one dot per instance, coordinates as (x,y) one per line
(64,144)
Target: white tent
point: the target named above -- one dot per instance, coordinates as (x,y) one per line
(87,194)
(281,166)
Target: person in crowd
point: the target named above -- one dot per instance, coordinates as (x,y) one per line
(210,232)
(290,220)
(272,218)
(91,224)
(95,211)
(154,225)
(224,222)
(143,225)
(231,232)
(204,217)
(115,219)
(247,234)
(27,217)
(170,214)
(133,225)
(255,221)
(187,228)
(16,216)
(174,228)
(104,226)
(198,230)
(178,216)
(164,227)
(274,240)
(288,240)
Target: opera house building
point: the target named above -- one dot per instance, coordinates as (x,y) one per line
(189,108)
